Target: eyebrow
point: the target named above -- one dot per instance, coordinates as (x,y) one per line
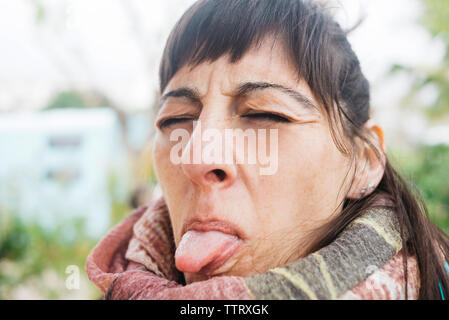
(249,87)
(183,92)
(242,90)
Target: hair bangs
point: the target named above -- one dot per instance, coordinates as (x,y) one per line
(211,29)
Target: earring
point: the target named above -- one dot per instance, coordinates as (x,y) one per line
(365,189)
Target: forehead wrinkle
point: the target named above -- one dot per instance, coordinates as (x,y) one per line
(249,87)
(205,77)
(228,77)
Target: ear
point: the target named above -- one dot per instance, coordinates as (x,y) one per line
(370,167)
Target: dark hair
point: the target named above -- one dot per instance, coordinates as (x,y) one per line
(323,57)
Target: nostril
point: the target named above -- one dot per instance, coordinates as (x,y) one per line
(220,174)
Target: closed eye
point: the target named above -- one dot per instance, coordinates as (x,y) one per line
(266,116)
(171,121)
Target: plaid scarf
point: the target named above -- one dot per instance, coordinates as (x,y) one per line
(135,260)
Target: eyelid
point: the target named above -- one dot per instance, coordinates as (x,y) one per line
(161,123)
(281,117)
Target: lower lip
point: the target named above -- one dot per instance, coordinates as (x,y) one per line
(220,259)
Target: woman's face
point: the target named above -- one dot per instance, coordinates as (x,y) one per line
(239,219)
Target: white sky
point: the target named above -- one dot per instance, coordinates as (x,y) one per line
(94,44)
(115,45)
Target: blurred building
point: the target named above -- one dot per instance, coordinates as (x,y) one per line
(56,166)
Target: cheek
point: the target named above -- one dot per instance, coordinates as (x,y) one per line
(161,159)
(170,178)
(318,165)
(311,171)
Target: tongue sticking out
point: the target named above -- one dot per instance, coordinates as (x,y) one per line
(198,249)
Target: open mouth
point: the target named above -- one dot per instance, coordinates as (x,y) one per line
(227,252)
(206,247)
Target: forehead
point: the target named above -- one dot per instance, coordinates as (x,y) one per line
(268,62)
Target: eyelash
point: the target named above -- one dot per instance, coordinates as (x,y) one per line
(254,116)
(170,121)
(266,116)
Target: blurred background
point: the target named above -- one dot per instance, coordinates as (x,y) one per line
(78,81)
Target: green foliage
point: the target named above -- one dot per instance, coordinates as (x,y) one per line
(120,207)
(27,251)
(435,18)
(33,258)
(39,11)
(76,99)
(14,241)
(66,99)
(428,168)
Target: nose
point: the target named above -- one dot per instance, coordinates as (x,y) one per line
(208,173)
